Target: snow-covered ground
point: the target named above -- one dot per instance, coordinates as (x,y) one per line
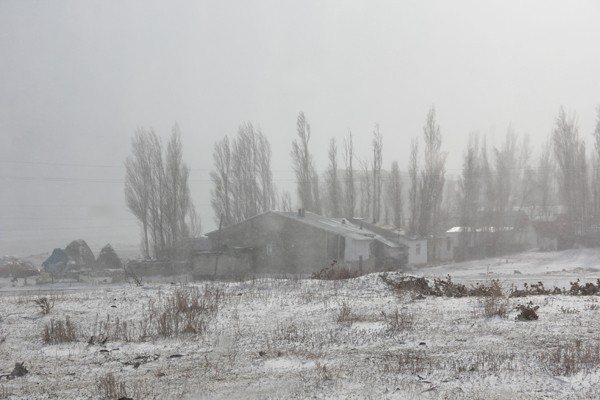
(274,338)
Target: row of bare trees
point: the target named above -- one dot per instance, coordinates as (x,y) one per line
(242,178)
(378,195)
(157,193)
(348,191)
(497,185)
(505,183)
(499,188)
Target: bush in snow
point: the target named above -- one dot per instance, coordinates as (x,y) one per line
(527,312)
(44,304)
(108,387)
(57,331)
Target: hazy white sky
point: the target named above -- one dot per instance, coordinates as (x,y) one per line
(77,77)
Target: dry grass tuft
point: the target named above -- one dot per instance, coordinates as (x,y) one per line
(572,357)
(398,321)
(406,361)
(45,304)
(345,315)
(335,273)
(57,331)
(493,306)
(109,388)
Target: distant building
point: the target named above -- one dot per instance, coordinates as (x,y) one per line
(489,240)
(278,242)
(416,247)
(547,235)
(440,248)
(418,252)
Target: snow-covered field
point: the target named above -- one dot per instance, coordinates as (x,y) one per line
(274,338)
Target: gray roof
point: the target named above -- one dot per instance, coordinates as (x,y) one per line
(338,226)
(333,225)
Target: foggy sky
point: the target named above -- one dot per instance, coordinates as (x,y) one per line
(78,77)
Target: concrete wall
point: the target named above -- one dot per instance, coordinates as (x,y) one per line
(357,248)
(444,248)
(417,250)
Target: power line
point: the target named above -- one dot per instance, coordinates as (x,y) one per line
(60,164)
(122,167)
(69,228)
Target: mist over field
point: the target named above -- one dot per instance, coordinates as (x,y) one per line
(78,78)
(299,199)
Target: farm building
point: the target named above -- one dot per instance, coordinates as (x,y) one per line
(278,242)
(416,247)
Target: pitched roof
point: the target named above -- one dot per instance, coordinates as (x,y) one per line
(332,225)
(338,226)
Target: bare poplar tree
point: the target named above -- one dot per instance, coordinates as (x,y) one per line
(242,178)
(596,170)
(505,168)
(285,202)
(365,189)
(525,176)
(138,183)
(178,203)
(349,187)
(413,194)
(334,191)
(394,195)
(470,183)
(377,163)
(303,165)
(432,177)
(157,193)
(544,197)
(569,149)
(267,190)
(221,179)
(316,187)
(157,197)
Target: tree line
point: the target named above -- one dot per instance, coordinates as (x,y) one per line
(157,194)
(495,188)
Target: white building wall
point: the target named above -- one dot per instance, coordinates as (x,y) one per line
(417,250)
(445,248)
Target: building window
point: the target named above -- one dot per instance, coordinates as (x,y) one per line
(418,249)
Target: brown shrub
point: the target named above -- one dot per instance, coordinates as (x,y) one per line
(57,331)
(334,273)
(109,388)
(527,312)
(399,320)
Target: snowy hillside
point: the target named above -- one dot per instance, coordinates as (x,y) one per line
(269,338)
